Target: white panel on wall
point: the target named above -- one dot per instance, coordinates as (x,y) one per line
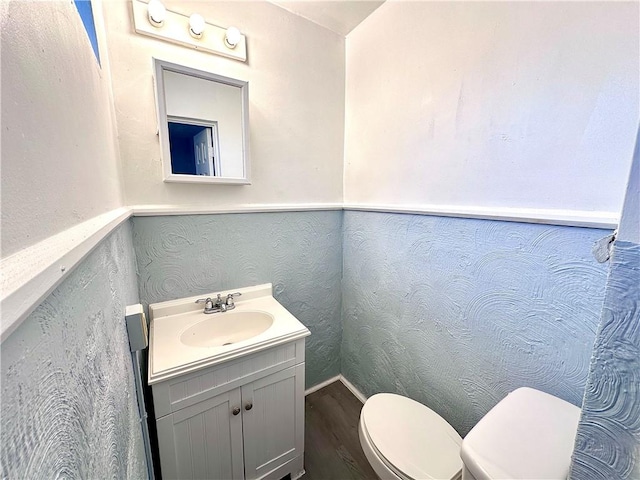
(502,104)
(295,71)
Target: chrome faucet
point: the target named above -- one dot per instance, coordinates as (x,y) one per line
(220,305)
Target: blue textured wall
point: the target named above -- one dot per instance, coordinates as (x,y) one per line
(456,313)
(299,252)
(608,440)
(69,407)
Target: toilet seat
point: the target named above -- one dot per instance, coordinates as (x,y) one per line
(380,465)
(411,440)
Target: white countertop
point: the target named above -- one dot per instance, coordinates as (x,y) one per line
(169,357)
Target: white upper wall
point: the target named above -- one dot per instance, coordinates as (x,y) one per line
(59,146)
(629,229)
(295,71)
(502,104)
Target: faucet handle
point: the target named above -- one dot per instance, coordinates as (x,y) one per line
(208,303)
(230,298)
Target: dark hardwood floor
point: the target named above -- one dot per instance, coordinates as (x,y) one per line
(332,447)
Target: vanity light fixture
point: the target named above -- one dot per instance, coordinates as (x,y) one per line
(196,25)
(232,37)
(151,18)
(157,13)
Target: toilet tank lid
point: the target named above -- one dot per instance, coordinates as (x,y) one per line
(529,434)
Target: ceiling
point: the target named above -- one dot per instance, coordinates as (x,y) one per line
(340,16)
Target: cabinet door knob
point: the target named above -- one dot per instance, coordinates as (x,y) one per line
(248,406)
(236,410)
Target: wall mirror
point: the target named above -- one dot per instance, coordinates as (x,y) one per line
(203,123)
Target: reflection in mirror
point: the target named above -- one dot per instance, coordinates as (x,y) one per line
(194,147)
(203,125)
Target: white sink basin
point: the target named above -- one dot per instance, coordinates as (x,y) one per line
(183,339)
(219,329)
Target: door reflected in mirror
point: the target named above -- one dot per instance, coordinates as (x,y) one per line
(203,125)
(194,147)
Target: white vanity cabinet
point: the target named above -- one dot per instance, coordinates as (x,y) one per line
(240,419)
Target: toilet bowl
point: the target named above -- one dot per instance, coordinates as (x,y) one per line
(529,434)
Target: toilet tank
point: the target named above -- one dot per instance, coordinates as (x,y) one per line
(529,434)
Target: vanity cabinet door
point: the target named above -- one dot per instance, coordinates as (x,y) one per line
(273,421)
(203,440)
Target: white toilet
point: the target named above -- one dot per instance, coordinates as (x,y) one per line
(529,434)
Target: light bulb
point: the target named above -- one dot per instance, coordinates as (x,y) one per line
(157,13)
(232,37)
(196,25)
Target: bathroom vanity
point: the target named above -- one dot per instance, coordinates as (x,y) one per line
(228,387)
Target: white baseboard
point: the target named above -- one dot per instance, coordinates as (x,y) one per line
(320,385)
(357,393)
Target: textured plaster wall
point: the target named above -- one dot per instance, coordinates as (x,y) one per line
(59,147)
(608,440)
(295,71)
(69,407)
(516,104)
(300,253)
(456,313)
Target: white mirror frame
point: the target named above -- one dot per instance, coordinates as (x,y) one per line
(161,66)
